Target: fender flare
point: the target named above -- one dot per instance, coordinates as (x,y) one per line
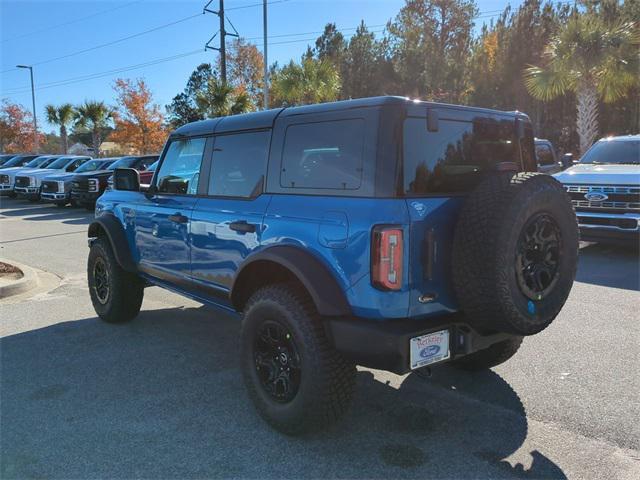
(114,232)
(328,297)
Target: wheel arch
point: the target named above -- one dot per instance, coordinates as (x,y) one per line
(285,263)
(108,226)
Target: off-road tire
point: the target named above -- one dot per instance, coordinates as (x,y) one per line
(489,357)
(327,380)
(486,242)
(126,289)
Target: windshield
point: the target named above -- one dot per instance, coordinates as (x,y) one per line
(125,162)
(90,166)
(611,151)
(153,166)
(59,163)
(17,161)
(37,162)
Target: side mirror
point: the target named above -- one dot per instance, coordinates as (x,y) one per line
(567,160)
(126,179)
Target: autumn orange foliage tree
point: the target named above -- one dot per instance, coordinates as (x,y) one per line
(16,129)
(139,124)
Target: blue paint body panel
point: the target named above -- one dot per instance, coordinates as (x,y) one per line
(201,254)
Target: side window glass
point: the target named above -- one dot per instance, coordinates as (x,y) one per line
(181,167)
(73,165)
(544,155)
(239,164)
(323,155)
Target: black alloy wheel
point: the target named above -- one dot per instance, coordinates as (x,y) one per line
(537,256)
(101,281)
(277,361)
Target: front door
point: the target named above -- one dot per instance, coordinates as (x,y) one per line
(227,223)
(163,218)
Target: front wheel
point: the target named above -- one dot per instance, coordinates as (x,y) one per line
(489,357)
(115,293)
(296,379)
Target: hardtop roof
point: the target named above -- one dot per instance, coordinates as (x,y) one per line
(266,118)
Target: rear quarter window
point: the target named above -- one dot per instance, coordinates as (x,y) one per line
(323,155)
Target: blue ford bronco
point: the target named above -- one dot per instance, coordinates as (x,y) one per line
(382,232)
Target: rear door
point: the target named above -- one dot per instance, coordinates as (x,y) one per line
(439,169)
(227,223)
(162,219)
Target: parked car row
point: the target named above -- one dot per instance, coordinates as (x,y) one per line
(64,179)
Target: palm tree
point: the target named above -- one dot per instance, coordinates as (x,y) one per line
(94,116)
(594,60)
(312,81)
(61,116)
(219,99)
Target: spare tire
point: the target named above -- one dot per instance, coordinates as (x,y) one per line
(515,253)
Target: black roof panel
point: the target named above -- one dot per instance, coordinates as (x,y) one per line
(265,119)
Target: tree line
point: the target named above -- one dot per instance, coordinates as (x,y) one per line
(136,124)
(573,67)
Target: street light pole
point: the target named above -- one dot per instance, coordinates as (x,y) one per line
(36,145)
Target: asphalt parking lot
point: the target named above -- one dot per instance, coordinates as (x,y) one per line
(162,397)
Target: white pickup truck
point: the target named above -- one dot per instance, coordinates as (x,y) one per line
(605,190)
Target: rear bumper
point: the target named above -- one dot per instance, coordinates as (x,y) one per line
(609,227)
(384,345)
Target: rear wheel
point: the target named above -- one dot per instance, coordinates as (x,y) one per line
(115,293)
(296,379)
(490,357)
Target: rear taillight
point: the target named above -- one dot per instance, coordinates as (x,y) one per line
(387,258)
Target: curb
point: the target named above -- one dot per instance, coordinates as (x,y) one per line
(28,281)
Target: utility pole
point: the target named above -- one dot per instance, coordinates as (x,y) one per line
(36,145)
(223,48)
(265,81)
(223,37)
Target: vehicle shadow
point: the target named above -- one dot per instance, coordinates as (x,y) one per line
(162,397)
(609,266)
(40,212)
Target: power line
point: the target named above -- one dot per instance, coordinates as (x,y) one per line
(119,40)
(129,37)
(92,76)
(256,5)
(70,22)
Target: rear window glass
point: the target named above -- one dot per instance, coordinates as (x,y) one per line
(544,154)
(239,164)
(451,159)
(324,155)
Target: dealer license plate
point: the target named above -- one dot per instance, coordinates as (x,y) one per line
(427,349)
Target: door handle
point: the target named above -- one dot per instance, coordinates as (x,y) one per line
(242,226)
(178,218)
